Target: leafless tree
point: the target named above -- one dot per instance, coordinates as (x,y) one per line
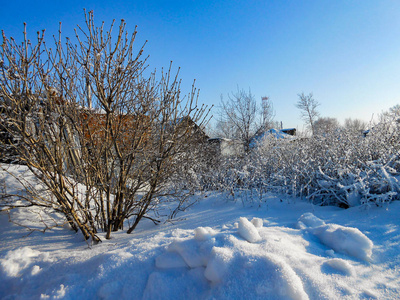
(326,125)
(224,127)
(308,109)
(355,126)
(240,116)
(104,139)
(268,114)
(392,114)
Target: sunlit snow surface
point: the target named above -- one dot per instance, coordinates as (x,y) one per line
(219,249)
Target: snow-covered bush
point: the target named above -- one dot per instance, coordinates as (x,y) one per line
(340,168)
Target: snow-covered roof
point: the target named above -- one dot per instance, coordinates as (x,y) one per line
(271,133)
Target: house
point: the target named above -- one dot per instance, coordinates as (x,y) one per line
(128,130)
(137,132)
(185,124)
(289,131)
(273,134)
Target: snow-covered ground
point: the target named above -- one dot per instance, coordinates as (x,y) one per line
(217,249)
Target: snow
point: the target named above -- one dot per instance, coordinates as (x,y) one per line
(289,250)
(339,266)
(309,220)
(203,233)
(218,264)
(56,294)
(348,240)
(257,222)
(20,260)
(170,260)
(270,134)
(248,231)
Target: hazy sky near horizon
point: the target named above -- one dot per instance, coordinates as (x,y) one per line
(347,53)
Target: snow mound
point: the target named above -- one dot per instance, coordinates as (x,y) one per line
(257,222)
(308,220)
(346,240)
(248,231)
(20,259)
(173,285)
(218,264)
(203,233)
(339,266)
(170,260)
(280,280)
(224,265)
(193,252)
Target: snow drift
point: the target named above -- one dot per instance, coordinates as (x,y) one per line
(219,249)
(347,240)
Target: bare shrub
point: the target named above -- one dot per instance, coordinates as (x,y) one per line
(100,135)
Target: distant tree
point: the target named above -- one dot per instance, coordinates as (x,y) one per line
(308,109)
(325,125)
(355,126)
(241,117)
(395,110)
(224,127)
(268,114)
(392,114)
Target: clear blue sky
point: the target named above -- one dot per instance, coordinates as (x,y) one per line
(346,52)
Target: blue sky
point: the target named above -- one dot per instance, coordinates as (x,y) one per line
(346,52)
